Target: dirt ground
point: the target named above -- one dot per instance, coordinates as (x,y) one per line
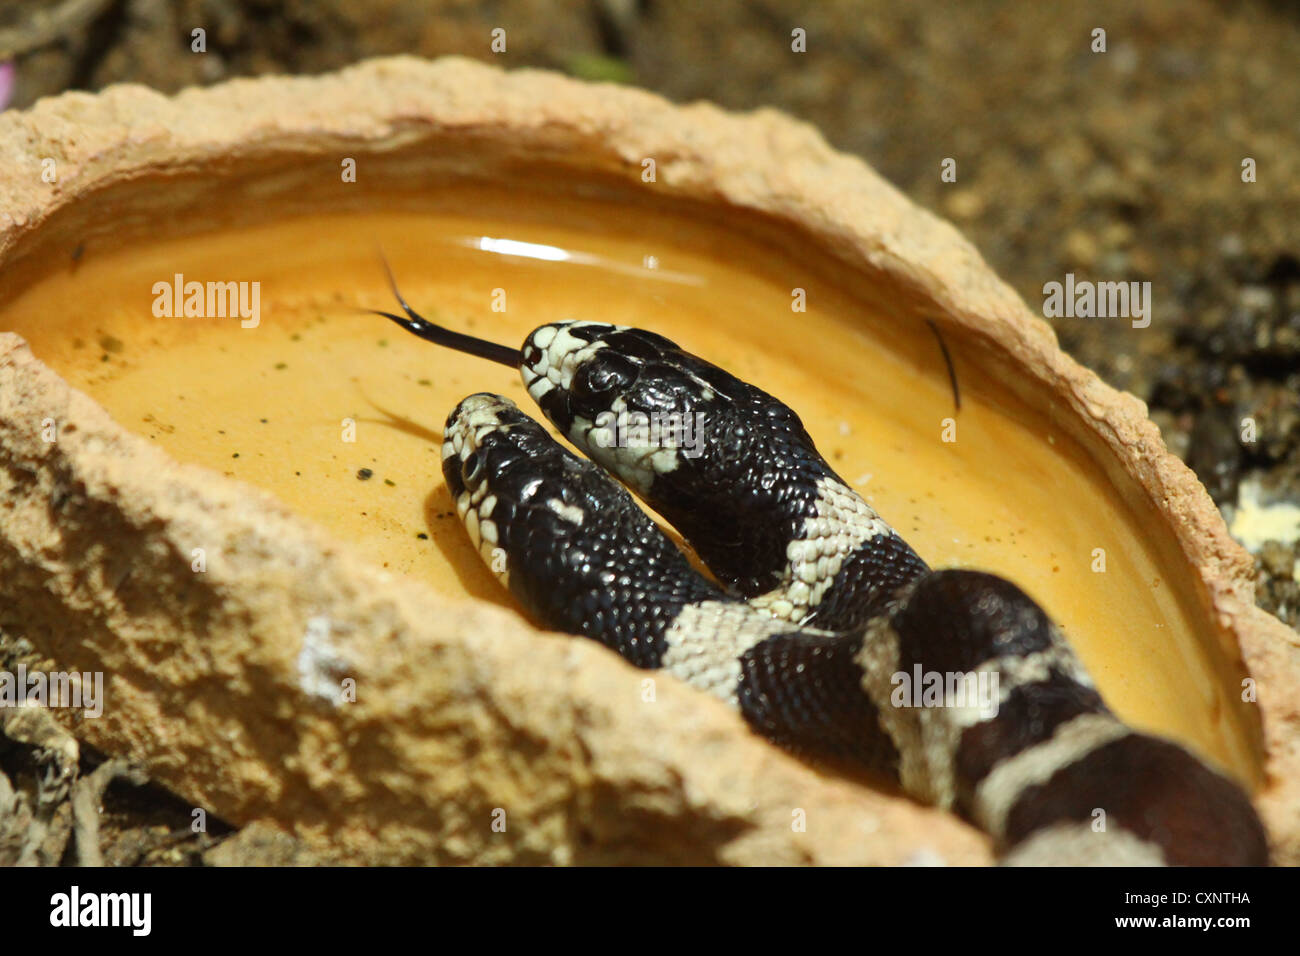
(1122,165)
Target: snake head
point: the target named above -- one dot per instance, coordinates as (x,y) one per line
(643,407)
(492,455)
(569,368)
(632,400)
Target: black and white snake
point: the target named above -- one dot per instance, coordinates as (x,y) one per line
(823,615)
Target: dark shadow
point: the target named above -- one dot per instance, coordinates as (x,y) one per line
(402,424)
(471,572)
(439,510)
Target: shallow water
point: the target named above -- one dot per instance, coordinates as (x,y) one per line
(269,405)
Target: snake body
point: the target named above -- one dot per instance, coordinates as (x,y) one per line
(820,610)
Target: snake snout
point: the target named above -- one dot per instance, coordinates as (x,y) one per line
(478,405)
(551,355)
(489,440)
(469,423)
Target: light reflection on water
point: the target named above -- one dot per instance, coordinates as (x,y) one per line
(648,268)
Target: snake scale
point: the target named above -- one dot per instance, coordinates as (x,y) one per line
(820,612)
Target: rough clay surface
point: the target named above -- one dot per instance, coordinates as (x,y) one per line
(215,677)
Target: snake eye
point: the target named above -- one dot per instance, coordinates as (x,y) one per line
(601,377)
(472,468)
(532,355)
